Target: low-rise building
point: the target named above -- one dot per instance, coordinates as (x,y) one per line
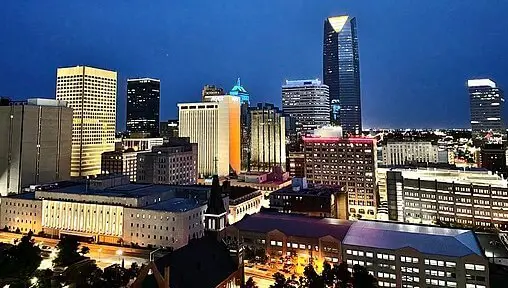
(313,200)
(402,153)
(173,163)
(109,209)
(296,164)
(243,201)
(266,182)
(467,197)
(121,163)
(397,254)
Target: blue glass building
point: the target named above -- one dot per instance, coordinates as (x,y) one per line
(341,72)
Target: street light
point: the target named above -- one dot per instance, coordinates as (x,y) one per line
(119,253)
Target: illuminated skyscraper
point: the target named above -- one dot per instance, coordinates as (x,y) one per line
(239,90)
(91,93)
(143,102)
(215,127)
(307,102)
(341,72)
(486,107)
(268,138)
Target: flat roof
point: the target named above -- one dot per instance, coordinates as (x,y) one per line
(175,205)
(128,191)
(29,195)
(294,225)
(313,190)
(425,239)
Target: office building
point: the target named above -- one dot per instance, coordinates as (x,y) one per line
(109,209)
(120,162)
(35,146)
(173,163)
(341,72)
(486,107)
(168,129)
(396,254)
(245,123)
(493,157)
(215,127)
(209,91)
(313,200)
(141,144)
(143,105)
(91,93)
(268,138)
(403,153)
(296,164)
(473,198)
(349,163)
(307,101)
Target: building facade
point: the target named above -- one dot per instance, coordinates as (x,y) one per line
(486,107)
(120,163)
(143,105)
(168,129)
(493,157)
(91,93)
(173,163)
(210,91)
(215,127)
(267,139)
(141,144)
(245,123)
(307,101)
(341,72)
(110,210)
(469,198)
(396,254)
(296,164)
(349,163)
(36,143)
(403,153)
(319,201)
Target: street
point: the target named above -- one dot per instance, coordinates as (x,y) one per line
(104,255)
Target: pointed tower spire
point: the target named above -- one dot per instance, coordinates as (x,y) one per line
(238,82)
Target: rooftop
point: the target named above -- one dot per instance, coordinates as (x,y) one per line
(175,205)
(311,190)
(425,239)
(295,225)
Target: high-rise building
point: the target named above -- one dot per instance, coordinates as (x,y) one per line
(143,104)
(215,127)
(168,129)
(307,102)
(209,91)
(348,162)
(486,107)
(91,93)
(268,138)
(173,163)
(239,90)
(35,146)
(341,72)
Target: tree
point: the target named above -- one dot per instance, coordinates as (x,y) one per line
(314,280)
(327,274)
(362,278)
(250,283)
(20,262)
(341,274)
(44,279)
(85,250)
(68,252)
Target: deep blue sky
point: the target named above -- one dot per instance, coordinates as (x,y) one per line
(415,55)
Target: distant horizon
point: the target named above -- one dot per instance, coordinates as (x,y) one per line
(415,56)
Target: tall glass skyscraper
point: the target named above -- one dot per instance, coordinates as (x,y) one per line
(143,103)
(486,107)
(341,72)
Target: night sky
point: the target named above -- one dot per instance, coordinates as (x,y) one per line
(415,55)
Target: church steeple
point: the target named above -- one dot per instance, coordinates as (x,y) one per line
(216,214)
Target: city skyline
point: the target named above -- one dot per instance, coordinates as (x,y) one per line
(393,90)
